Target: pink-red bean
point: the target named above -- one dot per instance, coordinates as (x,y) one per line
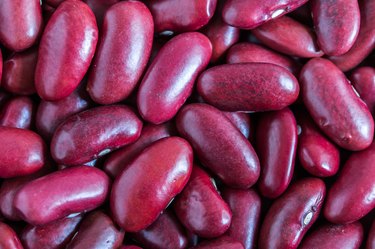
(242,122)
(99,7)
(223,242)
(363,80)
(18,112)
(371,237)
(8,238)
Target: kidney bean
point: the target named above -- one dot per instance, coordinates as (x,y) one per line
(169,80)
(100,7)
(223,242)
(54,3)
(18,112)
(248,14)
(291,215)
(122,53)
(334,106)
(22,152)
(371,237)
(93,133)
(303,14)
(66,49)
(8,238)
(363,80)
(51,236)
(246,207)
(241,121)
(97,231)
(352,195)
(365,42)
(248,87)
(166,232)
(19,71)
(20,23)
(335,237)
(146,186)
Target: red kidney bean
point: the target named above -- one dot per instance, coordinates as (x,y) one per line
(288,36)
(334,106)
(248,14)
(248,87)
(97,231)
(54,3)
(371,237)
(122,157)
(291,215)
(22,152)
(61,193)
(20,23)
(18,112)
(219,145)
(363,80)
(223,242)
(122,53)
(19,71)
(100,7)
(51,236)
(165,232)
(169,80)
(336,24)
(241,121)
(179,15)
(8,238)
(93,133)
(352,195)
(246,207)
(148,184)
(365,42)
(200,208)
(66,50)
(335,237)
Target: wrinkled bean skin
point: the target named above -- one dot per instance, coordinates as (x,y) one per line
(66,49)
(248,14)
(335,237)
(59,194)
(165,233)
(8,238)
(200,208)
(336,24)
(363,80)
(18,112)
(223,242)
(19,71)
(288,36)
(365,42)
(219,145)
(51,236)
(371,237)
(276,145)
(291,215)
(20,23)
(249,87)
(99,7)
(122,53)
(148,184)
(241,121)
(324,88)
(97,231)
(246,209)
(169,80)
(22,152)
(179,15)
(93,133)
(355,184)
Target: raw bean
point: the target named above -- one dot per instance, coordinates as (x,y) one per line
(8,238)
(18,112)
(363,80)
(54,3)
(371,237)
(99,7)
(223,242)
(241,121)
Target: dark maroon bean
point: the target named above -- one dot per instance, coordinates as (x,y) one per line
(130,247)
(54,3)
(8,238)
(99,7)
(18,112)
(223,242)
(241,121)
(371,237)
(363,80)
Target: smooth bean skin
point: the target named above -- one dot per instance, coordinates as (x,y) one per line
(60,194)
(371,237)
(249,14)
(335,237)
(18,112)
(22,152)
(93,133)
(148,184)
(365,41)
(363,80)
(355,184)
(97,231)
(165,233)
(170,78)
(99,7)
(336,24)
(288,36)
(123,52)
(246,209)
(324,88)
(241,121)
(51,236)
(200,208)
(8,238)
(219,145)
(66,49)
(20,23)
(248,87)
(291,215)
(119,159)
(19,71)
(223,242)
(179,15)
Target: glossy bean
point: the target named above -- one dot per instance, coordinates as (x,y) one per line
(18,112)
(241,121)
(99,7)
(363,80)
(8,238)
(371,237)
(223,242)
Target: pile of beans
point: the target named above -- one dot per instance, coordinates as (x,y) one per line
(170,124)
